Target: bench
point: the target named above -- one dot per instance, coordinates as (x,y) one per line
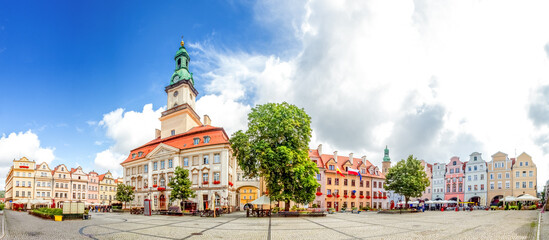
(175,211)
(288,214)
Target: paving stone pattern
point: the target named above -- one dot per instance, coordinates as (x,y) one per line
(428,225)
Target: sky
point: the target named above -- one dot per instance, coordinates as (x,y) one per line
(82,83)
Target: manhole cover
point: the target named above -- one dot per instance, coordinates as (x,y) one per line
(196,233)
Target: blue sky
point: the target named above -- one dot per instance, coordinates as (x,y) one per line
(64,64)
(434,80)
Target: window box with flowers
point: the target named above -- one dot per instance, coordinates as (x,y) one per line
(385,197)
(319,194)
(161,188)
(368,197)
(205,182)
(154,185)
(216,182)
(337,196)
(23,166)
(345,196)
(231,184)
(361,196)
(353,196)
(329,195)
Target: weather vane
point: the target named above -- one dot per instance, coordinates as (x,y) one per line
(182,43)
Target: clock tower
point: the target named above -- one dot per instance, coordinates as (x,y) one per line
(180,115)
(386,164)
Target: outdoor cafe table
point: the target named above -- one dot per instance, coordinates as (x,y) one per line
(261,212)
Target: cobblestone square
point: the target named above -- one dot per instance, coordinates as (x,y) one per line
(428,225)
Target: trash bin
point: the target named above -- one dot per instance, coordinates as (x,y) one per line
(58,218)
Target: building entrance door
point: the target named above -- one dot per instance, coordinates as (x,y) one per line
(336,206)
(205,201)
(162,202)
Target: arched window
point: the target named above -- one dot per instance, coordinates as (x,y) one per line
(178,62)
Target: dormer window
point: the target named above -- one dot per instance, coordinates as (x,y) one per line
(140,154)
(331,167)
(206,139)
(133,155)
(173,132)
(196,141)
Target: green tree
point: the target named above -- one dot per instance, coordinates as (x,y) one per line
(124,193)
(181,185)
(275,147)
(407,178)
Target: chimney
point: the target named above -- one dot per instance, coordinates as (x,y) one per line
(207,120)
(319,148)
(335,156)
(157,133)
(364,159)
(351,158)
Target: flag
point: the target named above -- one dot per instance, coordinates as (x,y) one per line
(354,172)
(339,171)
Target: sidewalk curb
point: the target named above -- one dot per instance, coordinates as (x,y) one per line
(3,225)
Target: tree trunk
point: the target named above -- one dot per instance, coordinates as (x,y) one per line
(287,205)
(406,203)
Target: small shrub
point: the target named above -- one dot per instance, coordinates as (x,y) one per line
(519,205)
(2,206)
(533,207)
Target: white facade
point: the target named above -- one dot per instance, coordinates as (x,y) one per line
(439,171)
(476,175)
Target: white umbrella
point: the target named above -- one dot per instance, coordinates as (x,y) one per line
(263,200)
(527,197)
(509,199)
(429,202)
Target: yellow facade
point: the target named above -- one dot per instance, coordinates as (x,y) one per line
(20,181)
(107,189)
(524,176)
(499,177)
(248,194)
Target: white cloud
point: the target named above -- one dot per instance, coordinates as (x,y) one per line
(128,130)
(436,79)
(22,144)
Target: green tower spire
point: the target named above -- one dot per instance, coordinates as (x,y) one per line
(386,158)
(182,60)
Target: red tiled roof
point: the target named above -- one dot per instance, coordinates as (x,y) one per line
(313,153)
(183,141)
(101,177)
(357,162)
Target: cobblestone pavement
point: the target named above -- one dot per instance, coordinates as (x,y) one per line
(428,225)
(544,226)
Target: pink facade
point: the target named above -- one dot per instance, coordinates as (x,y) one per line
(428,169)
(93,188)
(320,198)
(454,180)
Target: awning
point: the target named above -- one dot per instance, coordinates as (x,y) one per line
(509,199)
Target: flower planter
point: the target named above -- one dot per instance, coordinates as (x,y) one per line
(368,197)
(231,184)
(23,166)
(319,194)
(361,196)
(353,197)
(216,182)
(337,196)
(206,182)
(154,185)
(329,195)
(384,197)
(161,188)
(345,196)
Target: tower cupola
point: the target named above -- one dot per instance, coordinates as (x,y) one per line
(182,60)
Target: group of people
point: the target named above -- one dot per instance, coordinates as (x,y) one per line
(98,208)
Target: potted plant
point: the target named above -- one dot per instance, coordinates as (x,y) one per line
(331,210)
(355,210)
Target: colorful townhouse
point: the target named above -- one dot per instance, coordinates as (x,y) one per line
(454,180)
(524,174)
(93,188)
(79,184)
(499,177)
(343,189)
(476,180)
(439,181)
(20,181)
(428,169)
(43,181)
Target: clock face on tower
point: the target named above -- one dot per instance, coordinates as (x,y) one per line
(176,78)
(175,93)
